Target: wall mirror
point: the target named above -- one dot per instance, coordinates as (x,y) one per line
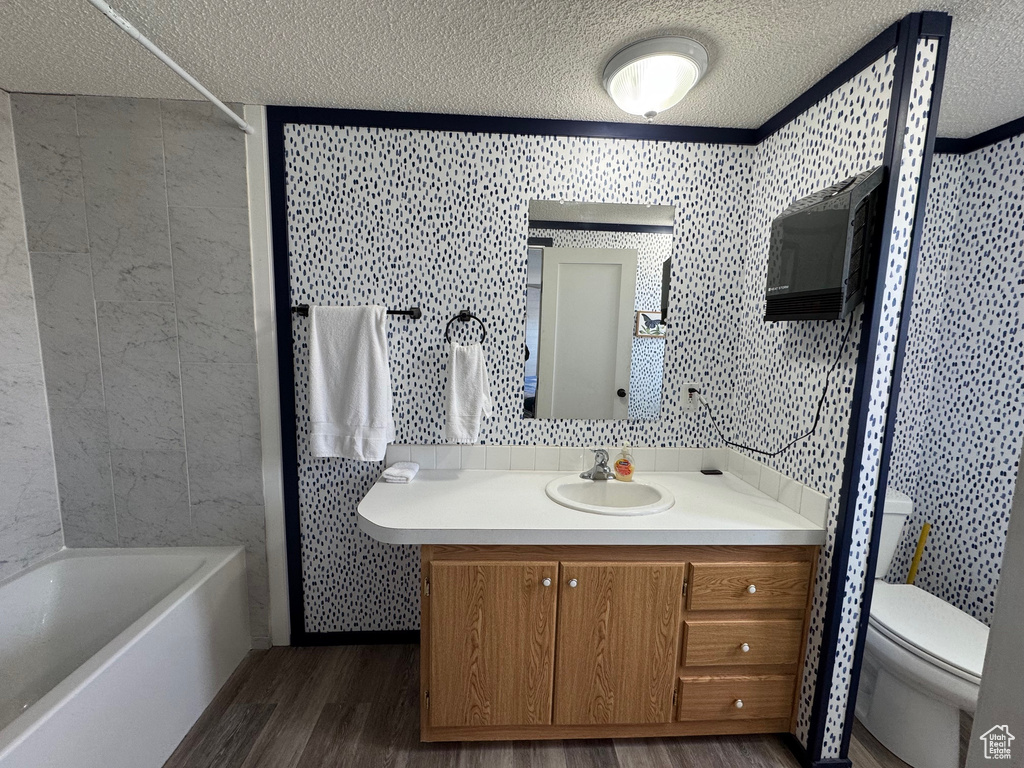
(596,309)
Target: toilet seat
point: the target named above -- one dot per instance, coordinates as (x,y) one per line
(930,628)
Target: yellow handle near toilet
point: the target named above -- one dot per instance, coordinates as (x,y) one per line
(917,554)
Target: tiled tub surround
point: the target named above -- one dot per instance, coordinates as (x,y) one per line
(30,525)
(137,216)
(959,426)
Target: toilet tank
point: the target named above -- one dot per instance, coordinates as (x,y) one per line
(895,510)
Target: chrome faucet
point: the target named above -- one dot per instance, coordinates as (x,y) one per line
(600,470)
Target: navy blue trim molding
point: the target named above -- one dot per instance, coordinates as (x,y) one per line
(936,25)
(595,226)
(515,126)
(903,334)
(850,68)
(980,141)
(394,637)
(908,32)
(802,756)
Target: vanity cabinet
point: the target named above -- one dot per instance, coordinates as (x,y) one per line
(618,638)
(589,641)
(494,632)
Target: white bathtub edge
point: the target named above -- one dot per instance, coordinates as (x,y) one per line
(233,634)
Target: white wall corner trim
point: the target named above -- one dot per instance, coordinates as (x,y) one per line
(266,355)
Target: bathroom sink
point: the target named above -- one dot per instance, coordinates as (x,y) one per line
(609,497)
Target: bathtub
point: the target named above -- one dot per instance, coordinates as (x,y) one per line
(108,656)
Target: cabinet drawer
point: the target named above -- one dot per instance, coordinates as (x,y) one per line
(710,643)
(753,697)
(748,586)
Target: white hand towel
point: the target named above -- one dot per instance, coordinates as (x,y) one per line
(400,472)
(468,395)
(349,383)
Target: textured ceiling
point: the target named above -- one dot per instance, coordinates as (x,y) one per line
(529,58)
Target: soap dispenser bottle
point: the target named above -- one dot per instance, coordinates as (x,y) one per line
(623,466)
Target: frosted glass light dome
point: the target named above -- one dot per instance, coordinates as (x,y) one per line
(651,76)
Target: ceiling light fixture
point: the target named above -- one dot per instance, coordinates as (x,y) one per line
(651,76)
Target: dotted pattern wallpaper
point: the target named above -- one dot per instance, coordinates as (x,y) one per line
(440,219)
(648,355)
(777,390)
(959,427)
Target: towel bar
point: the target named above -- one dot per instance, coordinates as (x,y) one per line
(414,313)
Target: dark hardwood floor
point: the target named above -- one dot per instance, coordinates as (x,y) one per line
(358,706)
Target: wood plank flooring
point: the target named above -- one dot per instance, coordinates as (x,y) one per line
(359,706)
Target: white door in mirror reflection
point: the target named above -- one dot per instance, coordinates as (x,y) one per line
(586,327)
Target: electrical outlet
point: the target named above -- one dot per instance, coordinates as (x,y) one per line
(690,404)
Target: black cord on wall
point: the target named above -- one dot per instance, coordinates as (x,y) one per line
(817,413)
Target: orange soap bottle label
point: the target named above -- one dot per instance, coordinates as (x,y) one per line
(624,467)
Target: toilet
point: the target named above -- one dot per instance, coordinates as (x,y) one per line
(923,660)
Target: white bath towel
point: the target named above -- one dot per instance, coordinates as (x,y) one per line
(400,472)
(468,396)
(349,383)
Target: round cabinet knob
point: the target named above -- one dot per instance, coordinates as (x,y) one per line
(620,392)
(745,648)
(546,582)
(573,583)
(751,589)
(738,703)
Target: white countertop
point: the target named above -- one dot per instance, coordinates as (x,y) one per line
(469,506)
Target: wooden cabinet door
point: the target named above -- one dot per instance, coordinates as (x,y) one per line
(492,642)
(618,642)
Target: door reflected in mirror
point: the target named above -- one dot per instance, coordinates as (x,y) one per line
(596,309)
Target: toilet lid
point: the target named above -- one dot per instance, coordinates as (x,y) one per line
(930,628)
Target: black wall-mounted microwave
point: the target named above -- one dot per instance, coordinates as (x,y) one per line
(824,249)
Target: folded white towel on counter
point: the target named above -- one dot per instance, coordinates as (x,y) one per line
(400,472)
(468,395)
(349,383)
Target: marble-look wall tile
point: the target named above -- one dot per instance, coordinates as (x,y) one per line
(50,166)
(30,524)
(151,498)
(213,284)
(81,449)
(144,405)
(51,114)
(19,342)
(74,385)
(126,208)
(67,329)
(223,523)
(205,156)
(133,330)
(222,428)
(106,115)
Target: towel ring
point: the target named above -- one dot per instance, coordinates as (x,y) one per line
(464,317)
